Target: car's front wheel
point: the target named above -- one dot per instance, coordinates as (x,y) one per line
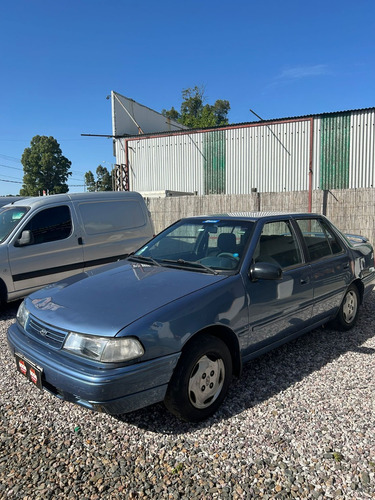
(201,379)
(348,313)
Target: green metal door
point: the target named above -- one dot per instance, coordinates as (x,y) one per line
(214,150)
(335,151)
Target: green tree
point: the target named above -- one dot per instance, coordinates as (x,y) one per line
(195,113)
(103,180)
(90,181)
(173,114)
(45,168)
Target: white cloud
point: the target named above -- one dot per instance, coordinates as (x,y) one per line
(298,72)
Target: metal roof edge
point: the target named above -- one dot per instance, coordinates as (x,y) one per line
(244,124)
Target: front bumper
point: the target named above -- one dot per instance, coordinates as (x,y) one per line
(112,390)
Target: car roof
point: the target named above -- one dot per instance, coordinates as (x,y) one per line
(254,216)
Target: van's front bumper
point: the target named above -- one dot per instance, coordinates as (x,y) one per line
(111,390)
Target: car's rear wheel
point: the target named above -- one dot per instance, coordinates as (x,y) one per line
(201,379)
(348,313)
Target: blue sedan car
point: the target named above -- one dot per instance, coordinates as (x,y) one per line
(179,317)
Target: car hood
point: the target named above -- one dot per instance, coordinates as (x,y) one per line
(103,301)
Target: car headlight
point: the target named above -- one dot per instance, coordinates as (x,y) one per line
(104,349)
(22,314)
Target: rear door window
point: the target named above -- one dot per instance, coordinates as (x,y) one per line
(319,239)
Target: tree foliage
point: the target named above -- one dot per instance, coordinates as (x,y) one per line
(194,113)
(90,181)
(45,168)
(103,180)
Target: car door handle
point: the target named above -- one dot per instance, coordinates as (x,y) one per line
(304,281)
(80,240)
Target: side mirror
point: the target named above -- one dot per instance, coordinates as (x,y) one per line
(25,239)
(265,271)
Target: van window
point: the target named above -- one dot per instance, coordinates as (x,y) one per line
(51,224)
(9,218)
(108,216)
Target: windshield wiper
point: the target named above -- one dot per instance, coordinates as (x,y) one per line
(142,258)
(186,263)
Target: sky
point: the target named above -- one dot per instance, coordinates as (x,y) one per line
(60,60)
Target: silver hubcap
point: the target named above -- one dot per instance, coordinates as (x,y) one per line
(206,382)
(349,307)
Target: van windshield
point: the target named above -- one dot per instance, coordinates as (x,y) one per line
(9,219)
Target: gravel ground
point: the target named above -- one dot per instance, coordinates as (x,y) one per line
(299,423)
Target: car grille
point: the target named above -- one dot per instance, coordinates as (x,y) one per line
(45,333)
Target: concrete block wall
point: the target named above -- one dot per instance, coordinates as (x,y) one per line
(351,210)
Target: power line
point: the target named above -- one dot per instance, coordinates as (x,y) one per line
(10,176)
(14,182)
(10,158)
(7,166)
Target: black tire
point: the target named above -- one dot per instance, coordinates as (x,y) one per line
(348,313)
(201,379)
(3,295)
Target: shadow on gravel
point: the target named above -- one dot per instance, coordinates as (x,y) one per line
(270,374)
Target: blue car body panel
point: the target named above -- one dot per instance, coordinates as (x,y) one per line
(114,390)
(164,305)
(150,287)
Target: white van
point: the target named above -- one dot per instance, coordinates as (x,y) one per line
(48,238)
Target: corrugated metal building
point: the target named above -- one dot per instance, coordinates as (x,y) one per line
(325,151)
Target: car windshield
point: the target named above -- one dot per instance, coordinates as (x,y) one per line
(9,218)
(205,245)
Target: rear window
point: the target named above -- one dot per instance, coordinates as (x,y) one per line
(109,216)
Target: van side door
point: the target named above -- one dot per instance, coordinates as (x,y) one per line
(45,250)
(111,229)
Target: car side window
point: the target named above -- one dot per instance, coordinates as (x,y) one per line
(277,244)
(51,224)
(319,239)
